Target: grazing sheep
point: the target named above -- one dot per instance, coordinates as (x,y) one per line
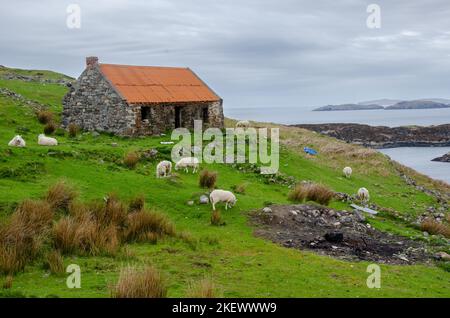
(46,141)
(187,162)
(347,171)
(17,141)
(363,195)
(222,196)
(243,124)
(163,169)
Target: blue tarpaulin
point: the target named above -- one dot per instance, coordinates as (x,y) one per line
(310,151)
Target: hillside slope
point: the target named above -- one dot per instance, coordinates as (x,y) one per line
(240,264)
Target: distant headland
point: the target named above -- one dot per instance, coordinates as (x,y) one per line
(390,104)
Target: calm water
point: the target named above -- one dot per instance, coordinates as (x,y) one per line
(417,158)
(391,118)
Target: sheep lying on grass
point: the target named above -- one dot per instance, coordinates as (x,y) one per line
(363,195)
(163,169)
(17,141)
(46,141)
(187,162)
(243,124)
(222,196)
(347,171)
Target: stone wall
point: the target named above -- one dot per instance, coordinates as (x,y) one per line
(92,104)
(162,116)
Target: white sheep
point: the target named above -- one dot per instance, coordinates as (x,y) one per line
(243,124)
(17,141)
(46,141)
(163,169)
(347,171)
(222,196)
(187,162)
(363,195)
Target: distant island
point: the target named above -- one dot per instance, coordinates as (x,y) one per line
(418,104)
(348,107)
(389,104)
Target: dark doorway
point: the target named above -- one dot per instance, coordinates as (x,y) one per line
(205,115)
(145,113)
(177,117)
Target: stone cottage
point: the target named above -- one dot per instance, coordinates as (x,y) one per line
(139,100)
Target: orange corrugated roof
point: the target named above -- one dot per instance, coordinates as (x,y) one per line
(154,84)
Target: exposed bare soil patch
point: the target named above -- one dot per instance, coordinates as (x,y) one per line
(342,234)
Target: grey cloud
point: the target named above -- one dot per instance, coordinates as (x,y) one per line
(253,53)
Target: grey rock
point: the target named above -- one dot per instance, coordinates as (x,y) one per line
(204,199)
(267,210)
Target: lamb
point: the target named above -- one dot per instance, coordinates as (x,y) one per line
(222,196)
(17,141)
(46,141)
(243,124)
(363,195)
(163,169)
(187,162)
(347,171)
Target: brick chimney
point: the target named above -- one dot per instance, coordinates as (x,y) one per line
(91,61)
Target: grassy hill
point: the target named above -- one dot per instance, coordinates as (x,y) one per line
(240,264)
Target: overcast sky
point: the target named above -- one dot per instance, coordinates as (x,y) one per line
(253,53)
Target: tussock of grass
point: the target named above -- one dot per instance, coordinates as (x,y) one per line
(133,283)
(433,227)
(61,195)
(73,130)
(50,128)
(22,238)
(319,193)
(8,282)
(131,159)
(298,194)
(146,225)
(137,203)
(311,192)
(240,188)
(205,288)
(216,218)
(44,116)
(207,179)
(85,236)
(54,262)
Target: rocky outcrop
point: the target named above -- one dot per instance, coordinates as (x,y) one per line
(385,137)
(444,158)
(39,77)
(17,97)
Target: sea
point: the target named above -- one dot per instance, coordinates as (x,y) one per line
(418,158)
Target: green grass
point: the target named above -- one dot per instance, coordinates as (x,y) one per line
(238,262)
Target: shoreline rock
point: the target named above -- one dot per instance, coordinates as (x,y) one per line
(385,137)
(444,158)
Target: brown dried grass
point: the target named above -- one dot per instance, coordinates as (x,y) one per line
(133,283)
(434,227)
(207,179)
